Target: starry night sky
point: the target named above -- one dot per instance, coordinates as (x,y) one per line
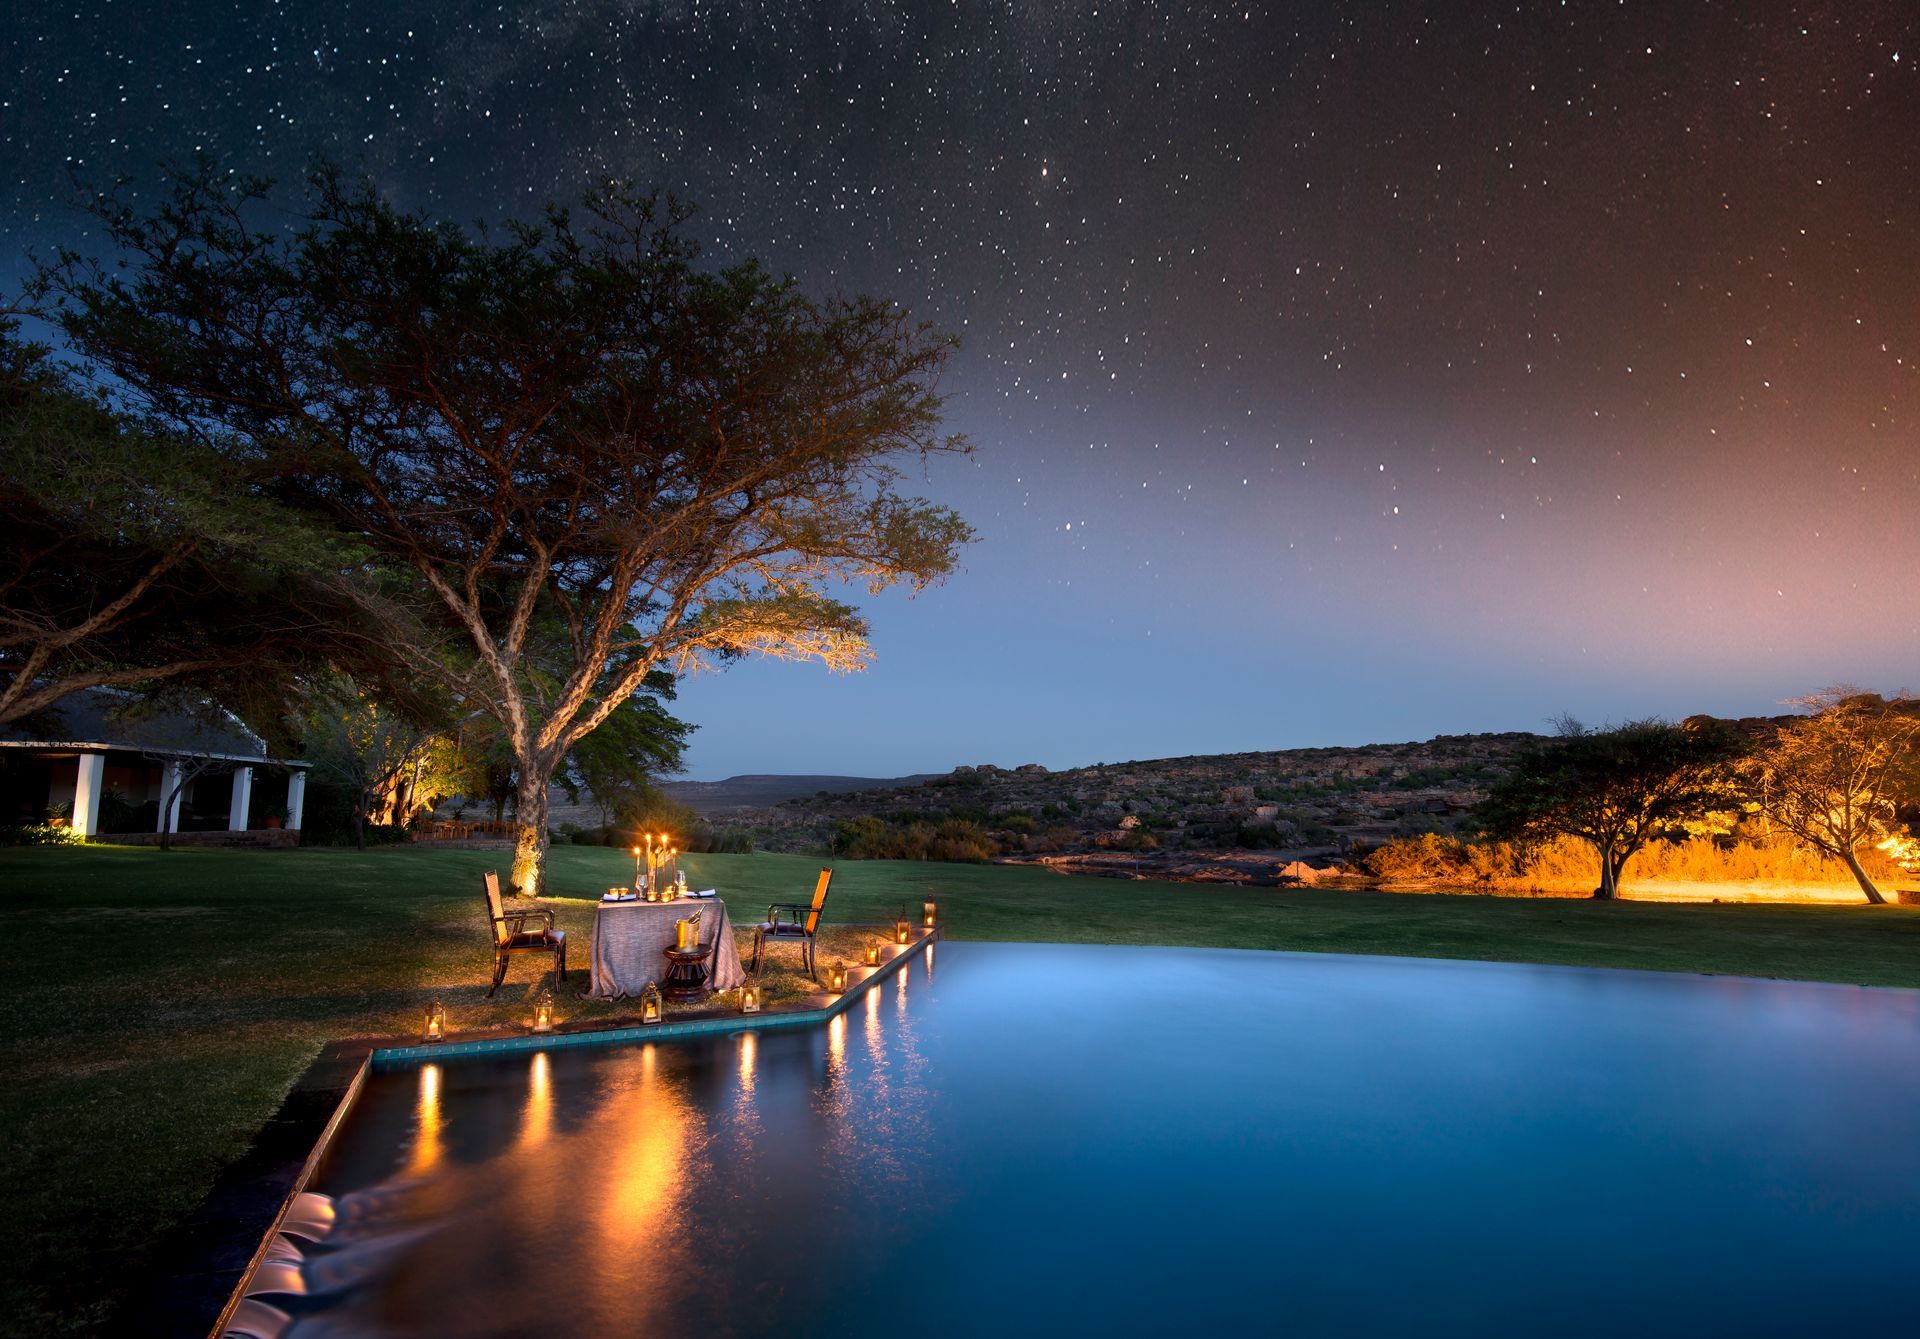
(1337,372)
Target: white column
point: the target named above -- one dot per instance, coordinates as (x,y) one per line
(86,794)
(242,794)
(168,819)
(296,798)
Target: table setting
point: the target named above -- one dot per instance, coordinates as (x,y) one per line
(633,933)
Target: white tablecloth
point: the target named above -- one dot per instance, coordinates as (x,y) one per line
(630,940)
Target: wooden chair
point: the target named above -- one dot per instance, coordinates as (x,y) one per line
(795,920)
(511,935)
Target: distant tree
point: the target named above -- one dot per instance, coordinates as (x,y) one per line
(571,422)
(1836,779)
(479,764)
(1615,787)
(638,742)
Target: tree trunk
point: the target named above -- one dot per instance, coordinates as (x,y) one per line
(1852,863)
(1609,875)
(530,829)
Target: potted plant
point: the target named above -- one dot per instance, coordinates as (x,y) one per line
(276,818)
(59,814)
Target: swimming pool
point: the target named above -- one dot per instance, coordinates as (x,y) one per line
(1073,1139)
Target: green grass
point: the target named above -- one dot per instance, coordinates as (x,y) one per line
(159,1005)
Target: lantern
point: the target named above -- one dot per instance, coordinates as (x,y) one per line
(436,1024)
(901,931)
(837,978)
(651,1009)
(543,1012)
(873,953)
(927,912)
(750,997)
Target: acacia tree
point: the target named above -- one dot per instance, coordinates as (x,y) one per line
(1614,787)
(1836,779)
(134,560)
(569,424)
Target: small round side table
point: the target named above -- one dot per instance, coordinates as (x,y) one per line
(687,975)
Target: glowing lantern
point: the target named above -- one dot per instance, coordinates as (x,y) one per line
(750,998)
(873,953)
(901,931)
(651,1008)
(837,978)
(927,913)
(436,1025)
(543,1012)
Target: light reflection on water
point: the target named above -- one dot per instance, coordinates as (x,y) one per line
(1075,1139)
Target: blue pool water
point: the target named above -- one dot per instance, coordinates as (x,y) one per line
(1045,1139)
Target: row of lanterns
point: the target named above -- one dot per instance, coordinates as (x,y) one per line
(653,1005)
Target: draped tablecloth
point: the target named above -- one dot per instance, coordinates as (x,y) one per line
(630,940)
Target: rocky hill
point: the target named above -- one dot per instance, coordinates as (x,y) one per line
(1162,815)
(739,795)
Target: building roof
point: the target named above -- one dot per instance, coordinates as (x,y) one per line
(99,718)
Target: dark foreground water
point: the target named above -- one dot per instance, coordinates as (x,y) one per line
(1037,1139)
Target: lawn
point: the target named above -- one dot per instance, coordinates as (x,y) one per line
(161,1004)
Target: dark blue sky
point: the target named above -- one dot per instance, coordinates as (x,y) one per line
(1349,373)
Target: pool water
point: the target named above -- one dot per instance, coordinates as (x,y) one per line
(1052,1139)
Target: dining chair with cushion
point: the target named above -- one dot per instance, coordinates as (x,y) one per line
(511,934)
(798,921)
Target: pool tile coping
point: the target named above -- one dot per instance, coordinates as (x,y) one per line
(594,1034)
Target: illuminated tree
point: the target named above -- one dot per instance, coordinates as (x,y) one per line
(1615,787)
(568,425)
(1835,779)
(376,749)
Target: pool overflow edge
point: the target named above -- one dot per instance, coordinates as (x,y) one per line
(376,1056)
(389,1056)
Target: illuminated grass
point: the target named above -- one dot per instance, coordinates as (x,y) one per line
(160,1005)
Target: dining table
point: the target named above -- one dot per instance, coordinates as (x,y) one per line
(631,939)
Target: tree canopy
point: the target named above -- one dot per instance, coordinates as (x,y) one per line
(1616,787)
(598,457)
(1835,779)
(132,558)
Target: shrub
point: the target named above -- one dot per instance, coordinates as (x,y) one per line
(729,840)
(40,834)
(872,838)
(1427,856)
